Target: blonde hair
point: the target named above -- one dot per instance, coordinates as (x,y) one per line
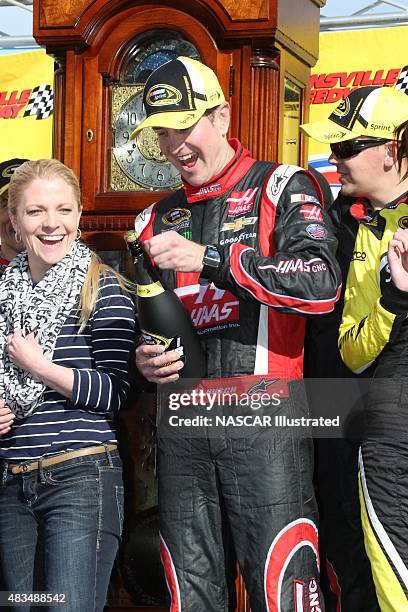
(23,176)
(90,288)
(34,169)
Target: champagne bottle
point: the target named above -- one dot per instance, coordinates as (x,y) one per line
(162,316)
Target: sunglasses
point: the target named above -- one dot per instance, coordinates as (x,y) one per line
(348,148)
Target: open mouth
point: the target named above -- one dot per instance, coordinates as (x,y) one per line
(51,240)
(188,161)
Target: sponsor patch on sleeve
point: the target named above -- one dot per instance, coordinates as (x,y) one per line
(303,197)
(316,231)
(241,202)
(312,213)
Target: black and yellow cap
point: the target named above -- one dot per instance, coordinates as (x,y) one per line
(367,111)
(177,94)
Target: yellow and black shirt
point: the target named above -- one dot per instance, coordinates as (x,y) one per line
(374,329)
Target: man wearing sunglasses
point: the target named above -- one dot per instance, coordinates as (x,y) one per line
(360,132)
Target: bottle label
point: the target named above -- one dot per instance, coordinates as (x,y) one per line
(146,291)
(170,344)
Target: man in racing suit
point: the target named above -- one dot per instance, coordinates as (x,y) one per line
(373,334)
(249,250)
(371,162)
(346,576)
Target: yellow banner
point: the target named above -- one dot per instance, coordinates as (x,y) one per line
(348,60)
(26,105)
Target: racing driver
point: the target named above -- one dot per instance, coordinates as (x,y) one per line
(249,249)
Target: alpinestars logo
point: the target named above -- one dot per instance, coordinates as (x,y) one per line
(261,386)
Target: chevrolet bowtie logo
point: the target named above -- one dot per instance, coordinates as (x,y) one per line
(237,225)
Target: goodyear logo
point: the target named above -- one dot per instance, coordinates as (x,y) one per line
(163,95)
(403,222)
(176,216)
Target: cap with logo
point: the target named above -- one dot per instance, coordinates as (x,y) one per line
(7,169)
(367,111)
(177,94)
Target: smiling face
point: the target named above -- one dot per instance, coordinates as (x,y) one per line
(10,247)
(361,174)
(201,151)
(47,219)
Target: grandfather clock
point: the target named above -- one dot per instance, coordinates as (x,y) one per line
(262,52)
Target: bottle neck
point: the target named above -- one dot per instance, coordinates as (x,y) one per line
(146,276)
(145,273)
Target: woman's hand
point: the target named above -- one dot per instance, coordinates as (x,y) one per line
(25,351)
(6,418)
(398,259)
(27,354)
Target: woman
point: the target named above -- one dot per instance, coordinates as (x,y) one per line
(66,331)
(9,245)
(374,334)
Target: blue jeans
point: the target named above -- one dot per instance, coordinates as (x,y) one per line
(60,529)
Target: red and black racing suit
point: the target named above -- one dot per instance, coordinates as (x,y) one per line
(277,264)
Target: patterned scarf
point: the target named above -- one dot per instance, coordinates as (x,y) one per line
(41,308)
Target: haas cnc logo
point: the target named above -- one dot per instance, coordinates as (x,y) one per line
(211,308)
(307,596)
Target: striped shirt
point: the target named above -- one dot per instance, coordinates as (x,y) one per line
(99,357)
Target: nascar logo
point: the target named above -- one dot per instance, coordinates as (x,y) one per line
(176,215)
(163,95)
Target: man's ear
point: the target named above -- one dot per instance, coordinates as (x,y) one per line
(390,158)
(224,117)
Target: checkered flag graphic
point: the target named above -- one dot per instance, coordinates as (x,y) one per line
(41,102)
(402,82)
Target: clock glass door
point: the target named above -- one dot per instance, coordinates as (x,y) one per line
(138,164)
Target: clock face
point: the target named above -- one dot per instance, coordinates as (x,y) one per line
(140,158)
(138,164)
(151,54)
